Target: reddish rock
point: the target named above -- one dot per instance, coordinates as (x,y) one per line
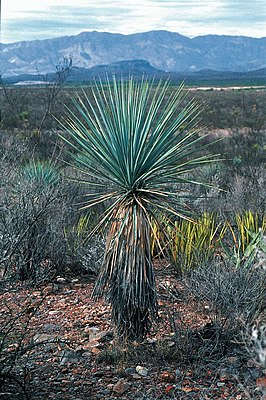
(121,387)
(167,376)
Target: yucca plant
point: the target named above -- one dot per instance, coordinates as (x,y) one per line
(248,224)
(40,173)
(195,242)
(247,238)
(188,242)
(135,147)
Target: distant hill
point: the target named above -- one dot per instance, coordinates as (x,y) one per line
(163,50)
(137,68)
(140,68)
(210,77)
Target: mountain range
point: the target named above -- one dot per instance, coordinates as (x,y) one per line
(157,51)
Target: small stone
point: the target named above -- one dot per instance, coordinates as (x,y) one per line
(36,293)
(95,350)
(89,322)
(98,374)
(110,386)
(69,356)
(105,391)
(121,387)
(53,312)
(169,389)
(167,376)
(51,328)
(59,279)
(86,354)
(171,343)
(261,382)
(100,336)
(136,376)
(142,371)
(48,289)
(220,384)
(91,329)
(43,337)
(151,340)
(66,292)
(130,371)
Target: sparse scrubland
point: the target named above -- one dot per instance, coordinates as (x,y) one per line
(208,338)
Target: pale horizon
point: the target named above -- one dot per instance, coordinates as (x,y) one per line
(22,21)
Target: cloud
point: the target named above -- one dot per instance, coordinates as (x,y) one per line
(21,19)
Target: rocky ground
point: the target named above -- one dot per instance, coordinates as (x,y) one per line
(67,349)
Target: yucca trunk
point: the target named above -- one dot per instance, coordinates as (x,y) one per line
(127,276)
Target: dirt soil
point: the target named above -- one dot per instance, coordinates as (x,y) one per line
(71,351)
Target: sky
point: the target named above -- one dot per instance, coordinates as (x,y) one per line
(34,19)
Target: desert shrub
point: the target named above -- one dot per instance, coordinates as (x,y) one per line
(246,190)
(222,109)
(224,299)
(236,188)
(42,232)
(32,216)
(16,342)
(242,190)
(234,108)
(83,249)
(38,206)
(230,290)
(234,296)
